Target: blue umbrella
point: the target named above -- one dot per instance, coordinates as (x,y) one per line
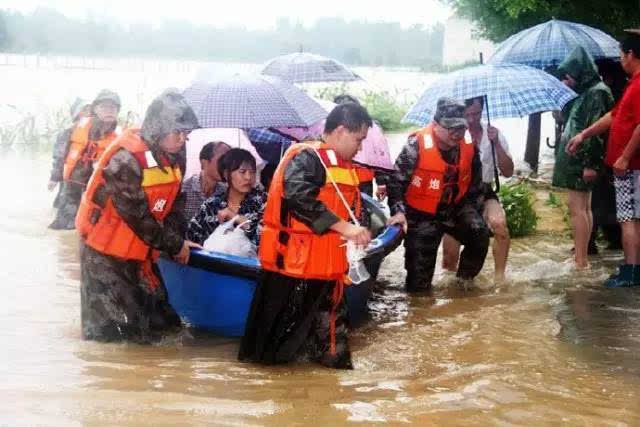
(248,101)
(511,91)
(306,67)
(548,44)
(269,143)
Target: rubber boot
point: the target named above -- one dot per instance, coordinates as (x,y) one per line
(624,278)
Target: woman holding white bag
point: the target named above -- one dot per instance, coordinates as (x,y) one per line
(241,201)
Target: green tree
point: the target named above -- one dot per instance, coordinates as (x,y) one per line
(498,19)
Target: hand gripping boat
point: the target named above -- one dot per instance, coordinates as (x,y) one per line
(214,291)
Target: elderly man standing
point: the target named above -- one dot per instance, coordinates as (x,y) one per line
(623,124)
(435,189)
(89,139)
(483,137)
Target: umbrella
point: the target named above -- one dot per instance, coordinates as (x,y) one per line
(248,101)
(315,130)
(235,138)
(511,90)
(375,150)
(547,44)
(270,143)
(306,67)
(375,147)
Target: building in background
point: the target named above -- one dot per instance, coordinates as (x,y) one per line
(461,44)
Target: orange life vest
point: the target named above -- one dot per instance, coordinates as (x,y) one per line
(364,174)
(287,245)
(102,228)
(427,183)
(81,148)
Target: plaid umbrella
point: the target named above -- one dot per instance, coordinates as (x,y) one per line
(306,67)
(250,101)
(547,44)
(511,91)
(270,143)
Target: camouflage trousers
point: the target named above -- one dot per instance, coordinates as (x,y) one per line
(423,238)
(116,303)
(68,203)
(291,317)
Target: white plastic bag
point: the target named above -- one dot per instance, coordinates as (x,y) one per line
(357,270)
(230,240)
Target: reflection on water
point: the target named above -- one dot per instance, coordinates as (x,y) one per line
(550,346)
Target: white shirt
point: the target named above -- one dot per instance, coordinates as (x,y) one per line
(486,156)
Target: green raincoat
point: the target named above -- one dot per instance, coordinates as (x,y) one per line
(593,102)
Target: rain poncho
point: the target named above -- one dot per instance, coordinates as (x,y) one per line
(116,301)
(594,101)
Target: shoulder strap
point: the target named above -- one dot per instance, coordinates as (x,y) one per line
(344,201)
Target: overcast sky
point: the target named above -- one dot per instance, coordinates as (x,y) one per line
(253,14)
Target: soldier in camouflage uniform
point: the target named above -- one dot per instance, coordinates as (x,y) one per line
(461,218)
(118,302)
(78,110)
(104,123)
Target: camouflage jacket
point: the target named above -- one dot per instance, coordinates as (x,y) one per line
(123,178)
(405,165)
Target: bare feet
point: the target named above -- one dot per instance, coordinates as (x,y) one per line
(582,266)
(499,279)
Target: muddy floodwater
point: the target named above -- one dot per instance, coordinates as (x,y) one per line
(550,346)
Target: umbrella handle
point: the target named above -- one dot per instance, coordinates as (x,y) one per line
(496,174)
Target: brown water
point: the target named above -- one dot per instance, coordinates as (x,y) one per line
(550,346)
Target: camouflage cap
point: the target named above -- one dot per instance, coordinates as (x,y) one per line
(167,113)
(450,113)
(107,95)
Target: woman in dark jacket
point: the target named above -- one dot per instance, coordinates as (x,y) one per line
(241,199)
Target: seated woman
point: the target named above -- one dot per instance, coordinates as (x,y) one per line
(237,168)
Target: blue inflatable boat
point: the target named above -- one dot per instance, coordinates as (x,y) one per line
(214,291)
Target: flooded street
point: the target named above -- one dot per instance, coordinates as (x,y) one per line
(549,346)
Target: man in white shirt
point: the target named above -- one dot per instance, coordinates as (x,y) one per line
(483,137)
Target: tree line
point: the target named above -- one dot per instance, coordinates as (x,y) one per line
(47,31)
(498,19)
